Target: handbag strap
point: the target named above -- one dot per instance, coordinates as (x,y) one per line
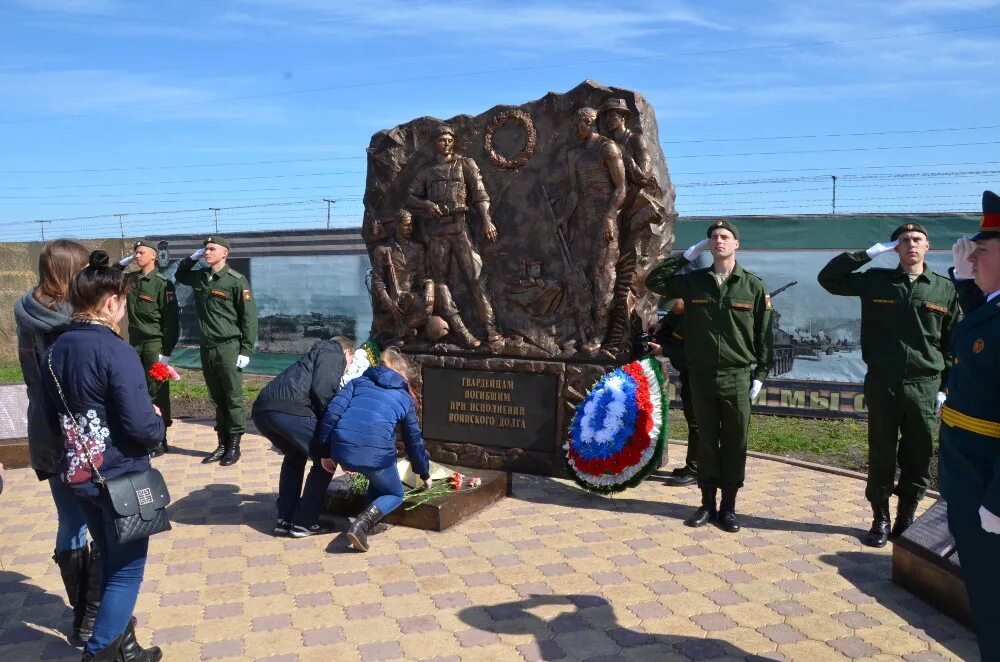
(79,428)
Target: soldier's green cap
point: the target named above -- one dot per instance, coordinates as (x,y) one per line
(907,227)
(217,239)
(725,225)
(148,243)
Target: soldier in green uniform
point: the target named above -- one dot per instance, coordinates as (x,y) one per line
(668,333)
(729,350)
(227,324)
(970,425)
(906,316)
(153,326)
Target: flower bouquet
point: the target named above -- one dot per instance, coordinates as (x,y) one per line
(620,429)
(160,373)
(456,481)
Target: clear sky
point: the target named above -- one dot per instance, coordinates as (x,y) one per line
(119,107)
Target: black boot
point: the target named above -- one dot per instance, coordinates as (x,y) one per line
(109,654)
(159,449)
(92,589)
(131,651)
(878,535)
(727,511)
(72,568)
(707,512)
(362,526)
(681,477)
(219,451)
(905,510)
(232,454)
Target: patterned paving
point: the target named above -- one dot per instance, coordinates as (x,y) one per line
(552,573)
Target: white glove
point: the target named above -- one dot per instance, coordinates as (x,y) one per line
(939,401)
(960,253)
(242,362)
(755,389)
(197,255)
(125,261)
(165,360)
(991,522)
(693,252)
(878,249)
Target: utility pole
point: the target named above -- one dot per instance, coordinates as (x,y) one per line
(328,203)
(834,203)
(41,225)
(215,210)
(121,224)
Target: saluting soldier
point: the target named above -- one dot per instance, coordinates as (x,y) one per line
(729,350)
(970,425)
(668,333)
(906,316)
(227,324)
(153,326)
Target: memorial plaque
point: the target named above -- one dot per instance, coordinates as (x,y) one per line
(506,409)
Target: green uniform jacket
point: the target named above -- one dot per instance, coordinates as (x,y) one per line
(226,309)
(671,340)
(905,327)
(724,329)
(152,311)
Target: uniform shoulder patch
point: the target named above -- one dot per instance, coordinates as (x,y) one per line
(162,277)
(236,274)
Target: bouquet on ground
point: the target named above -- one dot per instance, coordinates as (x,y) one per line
(160,373)
(450,481)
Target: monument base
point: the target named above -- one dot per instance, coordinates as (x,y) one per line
(437,515)
(925,562)
(14,453)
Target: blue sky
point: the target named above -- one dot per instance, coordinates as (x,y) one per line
(115,107)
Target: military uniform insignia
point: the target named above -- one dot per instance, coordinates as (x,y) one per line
(220,293)
(702,301)
(146,297)
(246,295)
(741,305)
(978,346)
(171,296)
(884,301)
(937,308)
(767,302)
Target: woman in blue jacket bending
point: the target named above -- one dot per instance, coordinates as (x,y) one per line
(358,431)
(95,385)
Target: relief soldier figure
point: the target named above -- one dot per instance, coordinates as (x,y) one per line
(402,293)
(444,190)
(597,193)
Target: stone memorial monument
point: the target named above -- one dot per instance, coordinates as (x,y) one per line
(509,251)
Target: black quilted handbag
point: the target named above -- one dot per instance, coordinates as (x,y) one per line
(137,501)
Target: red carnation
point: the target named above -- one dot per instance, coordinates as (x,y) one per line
(159,372)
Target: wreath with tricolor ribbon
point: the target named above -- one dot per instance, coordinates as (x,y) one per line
(619,430)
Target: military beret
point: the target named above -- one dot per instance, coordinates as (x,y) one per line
(217,239)
(989,226)
(907,227)
(725,225)
(148,243)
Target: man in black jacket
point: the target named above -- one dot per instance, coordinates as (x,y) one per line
(286,412)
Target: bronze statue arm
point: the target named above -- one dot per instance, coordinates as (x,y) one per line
(616,169)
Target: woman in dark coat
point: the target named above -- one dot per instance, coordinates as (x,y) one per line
(286,411)
(41,315)
(95,384)
(358,431)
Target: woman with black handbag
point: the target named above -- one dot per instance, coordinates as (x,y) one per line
(95,381)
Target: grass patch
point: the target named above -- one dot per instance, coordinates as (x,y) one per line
(10,372)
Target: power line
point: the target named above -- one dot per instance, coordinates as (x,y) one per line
(540,67)
(184,181)
(833,168)
(177,167)
(180,193)
(832,150)
(828,135)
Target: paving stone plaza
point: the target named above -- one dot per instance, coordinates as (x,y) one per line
(549,573)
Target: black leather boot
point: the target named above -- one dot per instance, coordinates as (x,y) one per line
(109,654)
(131,651)
(232,454)
(878,535)
(72,567)
(727,511)
(362,526)
(219,451)
(707,512)
(905,510)
(92,590)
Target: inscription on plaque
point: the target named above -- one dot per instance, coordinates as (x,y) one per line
(509,409)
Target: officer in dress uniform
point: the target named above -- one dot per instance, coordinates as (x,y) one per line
(227,325)
(907,314)
(153,326)
(729,350)
(668,333)
(970,424)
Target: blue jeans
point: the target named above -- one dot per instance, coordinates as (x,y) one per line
(72,528)
(292,434)
(385,490)
(123,566)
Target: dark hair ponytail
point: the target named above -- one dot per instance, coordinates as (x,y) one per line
(95,282)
